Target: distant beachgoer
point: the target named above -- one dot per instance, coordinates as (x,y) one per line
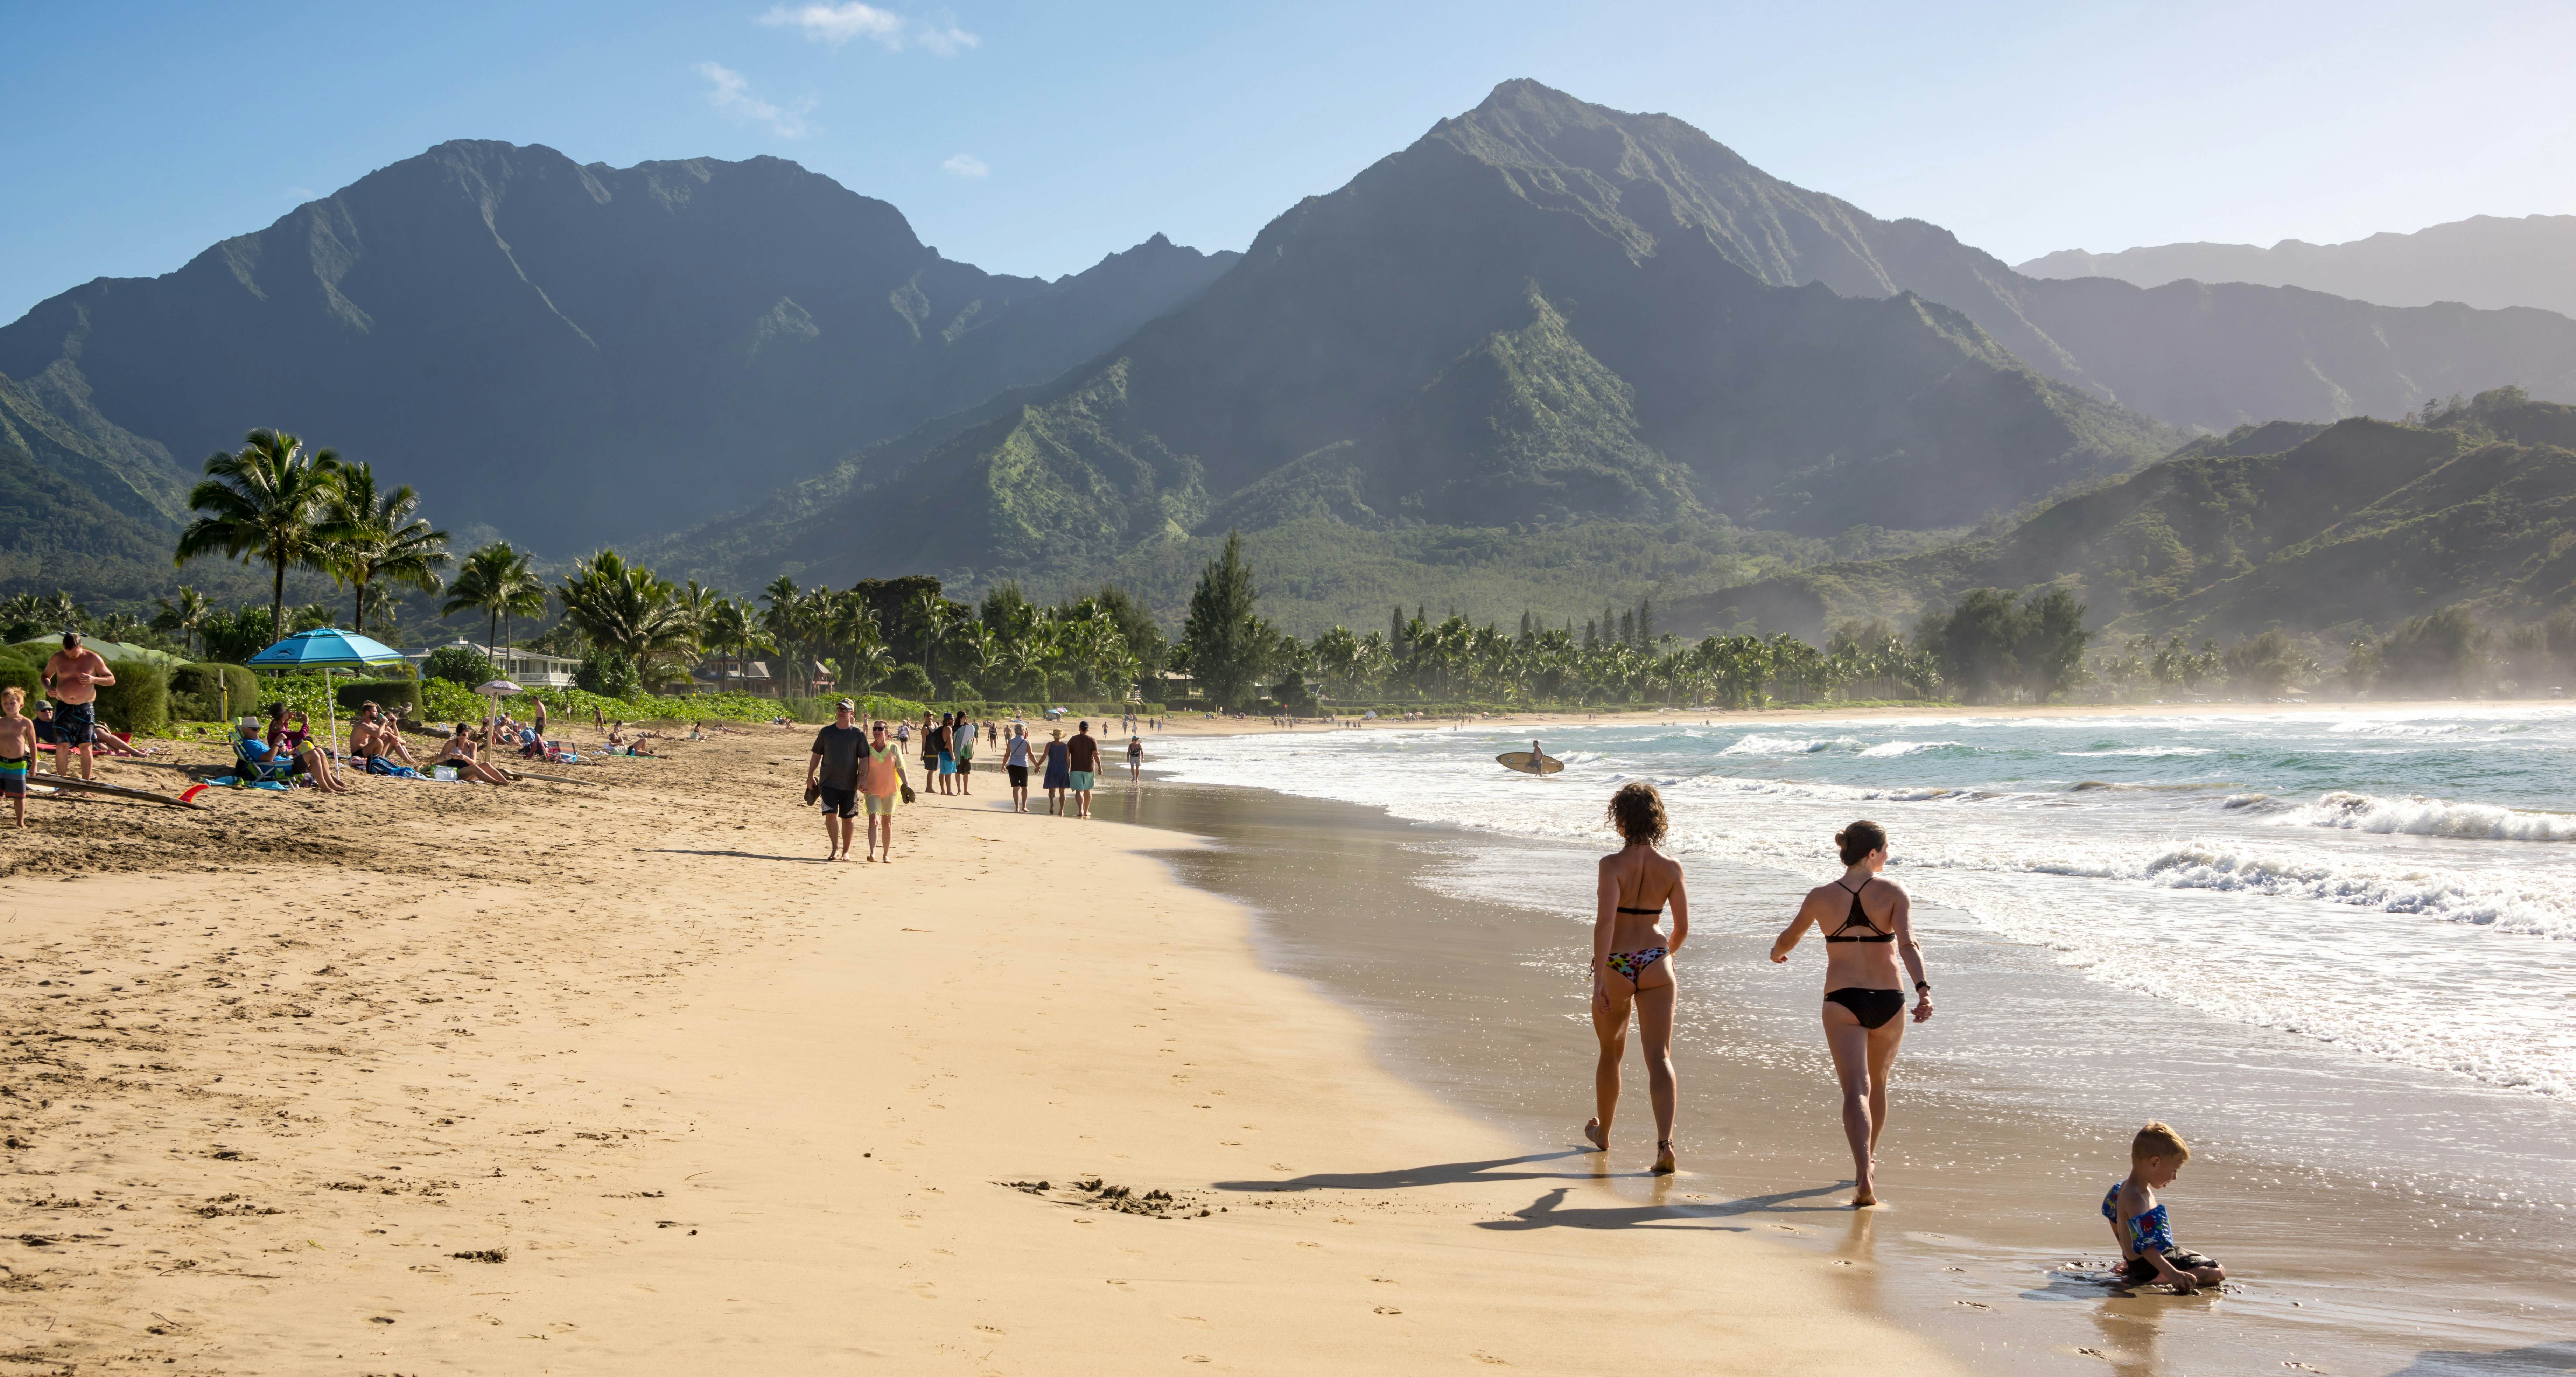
(1059,776)
(1632,963)
(73,676)
(459,751)
(1082,757)
(881,781)
(1862,997)
(295,742)
(963,747)
(1015,758)
(17,750)
(946,736)
(2138,1222)
(1135,760)
(833,771)
(929,751)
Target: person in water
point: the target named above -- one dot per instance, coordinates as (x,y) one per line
(2147,1251)
(1868,925)
(1632,964)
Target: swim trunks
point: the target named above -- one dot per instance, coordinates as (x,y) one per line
(1019,776)
(75,724)
(13,777)
(1082,781)
(839,803)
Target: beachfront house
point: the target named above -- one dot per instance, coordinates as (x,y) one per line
(526,668)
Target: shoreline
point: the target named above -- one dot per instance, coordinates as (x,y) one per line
(1180,725)
(577,1079)
(1986,1141)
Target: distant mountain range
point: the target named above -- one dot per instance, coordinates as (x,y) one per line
(577,353)
(2293,525)
(1541,337)
(2485,261)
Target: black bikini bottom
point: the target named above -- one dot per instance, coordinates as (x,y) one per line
(1871,1007)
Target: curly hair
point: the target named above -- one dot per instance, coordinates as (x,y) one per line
(1638,812)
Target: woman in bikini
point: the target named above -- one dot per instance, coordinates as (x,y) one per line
(1868,925)
(1632,963)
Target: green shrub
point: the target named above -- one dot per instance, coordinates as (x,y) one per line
(27,676)
(458,665)
(198,691)
(139,700)
(608,674)
(402,694)
(910,681)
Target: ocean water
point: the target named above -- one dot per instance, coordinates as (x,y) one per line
(2398,885)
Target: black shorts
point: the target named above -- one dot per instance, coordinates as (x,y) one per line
(1019,776)
(839,803)
(75,724)
(2138,1271)
(965,764)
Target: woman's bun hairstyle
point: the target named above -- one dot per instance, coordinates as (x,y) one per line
(1638,812)
(1860,839)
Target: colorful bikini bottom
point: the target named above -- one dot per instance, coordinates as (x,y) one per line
(1631,964)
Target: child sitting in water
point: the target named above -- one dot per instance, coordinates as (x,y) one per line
(2147,1251)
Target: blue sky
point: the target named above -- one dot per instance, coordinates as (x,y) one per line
(1034,138)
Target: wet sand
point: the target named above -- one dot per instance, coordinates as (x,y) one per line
(620,1077)
(2381,1219)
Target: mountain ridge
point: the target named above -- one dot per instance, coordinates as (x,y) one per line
(606,331)
(2486,261)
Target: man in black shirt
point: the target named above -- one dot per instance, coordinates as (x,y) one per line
(832,774)
(1082,756)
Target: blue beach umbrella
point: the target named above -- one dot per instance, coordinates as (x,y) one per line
(327,649)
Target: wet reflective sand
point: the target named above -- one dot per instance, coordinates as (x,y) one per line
(2382,1220)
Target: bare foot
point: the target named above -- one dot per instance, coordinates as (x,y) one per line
(1864,1199)
(1664,1164)
(1596,1135)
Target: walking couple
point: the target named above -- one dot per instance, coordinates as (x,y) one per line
(1632,969)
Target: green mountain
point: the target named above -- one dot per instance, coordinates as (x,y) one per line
(2488,261)
(573,353)
(1519,322)
(2360,522)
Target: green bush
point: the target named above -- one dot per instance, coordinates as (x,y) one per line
(30,677)
(608,674)
(910,681)
(139,700)
(401,694)
(458,665)
(197,691)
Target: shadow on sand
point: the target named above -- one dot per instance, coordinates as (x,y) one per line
(1549,1210)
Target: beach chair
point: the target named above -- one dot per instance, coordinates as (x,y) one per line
(258,771)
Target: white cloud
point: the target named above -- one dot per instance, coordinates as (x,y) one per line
(730,92)
(834,25)
(965,165)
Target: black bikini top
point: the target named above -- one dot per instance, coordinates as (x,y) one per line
(1860,916)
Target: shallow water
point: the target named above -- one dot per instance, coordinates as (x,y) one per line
(2388,1210)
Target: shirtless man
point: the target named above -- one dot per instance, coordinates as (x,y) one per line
(73,677)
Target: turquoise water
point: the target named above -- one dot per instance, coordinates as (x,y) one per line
(2400,884)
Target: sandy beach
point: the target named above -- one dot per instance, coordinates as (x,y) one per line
(620,1077)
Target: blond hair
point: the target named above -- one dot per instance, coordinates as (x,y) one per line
(12,698)
(2158,1140)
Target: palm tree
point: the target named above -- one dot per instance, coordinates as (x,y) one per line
(264,503)
(625,608)
(931,618)
(376,540)
(733,631)
(186,615)
(495,580)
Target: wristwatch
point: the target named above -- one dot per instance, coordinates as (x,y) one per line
(1921,988)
